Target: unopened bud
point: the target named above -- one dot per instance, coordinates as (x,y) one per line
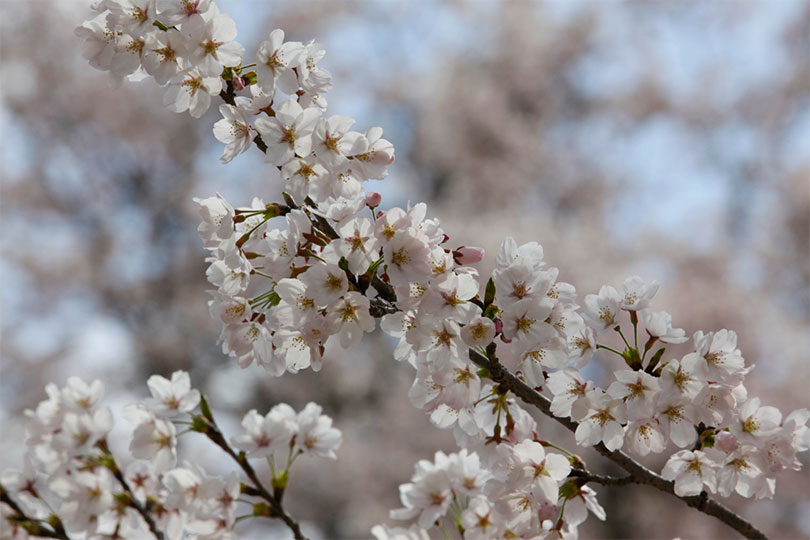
(238,83)
(373,199)
(725,441)
(468,255)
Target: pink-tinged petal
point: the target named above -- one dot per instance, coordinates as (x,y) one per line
(614,436)
(223,28)
(688,484)
(675,466)
(682,433)
(587,434)
(288,112)
(230,54)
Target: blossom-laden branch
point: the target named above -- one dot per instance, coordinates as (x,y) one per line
(18,518)
(283,292)
(205,424)
(639,474)
(128,496)
(70,468)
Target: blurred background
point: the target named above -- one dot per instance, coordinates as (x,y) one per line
(669,140)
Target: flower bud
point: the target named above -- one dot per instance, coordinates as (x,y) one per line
(238,83)
(468,255)
(725,441)
(373,199)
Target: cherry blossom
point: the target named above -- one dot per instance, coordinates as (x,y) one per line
(234,129)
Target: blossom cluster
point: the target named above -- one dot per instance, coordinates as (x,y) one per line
(698,401)
(182,44)
(294,278)
(72,481)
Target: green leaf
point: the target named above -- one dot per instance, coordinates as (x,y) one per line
(261,509)
(206,410)
(655,359)
(489,295)
(289,200)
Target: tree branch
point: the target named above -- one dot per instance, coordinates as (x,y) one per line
(133,502)
(639,474)
(277,509)
(588,476)
(30,525)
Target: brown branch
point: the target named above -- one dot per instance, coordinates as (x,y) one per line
(32,526)
(133,501)
(385,303)
(273,499)
(638,472)
(587,476)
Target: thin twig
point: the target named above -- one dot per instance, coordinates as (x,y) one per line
(213,433)
(133,501)
(31,525)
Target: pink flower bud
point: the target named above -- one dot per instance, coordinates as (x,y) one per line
(468,255)
(725,441)
(238,83)
(373,199)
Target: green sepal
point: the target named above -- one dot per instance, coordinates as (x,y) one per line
(280,481)
(707,438)
(199,424)
(250,78)
(372,269)
(492,311)
(632,358)
(273,210)
(122,499)
(273,299)
(568,490)
(262,509)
